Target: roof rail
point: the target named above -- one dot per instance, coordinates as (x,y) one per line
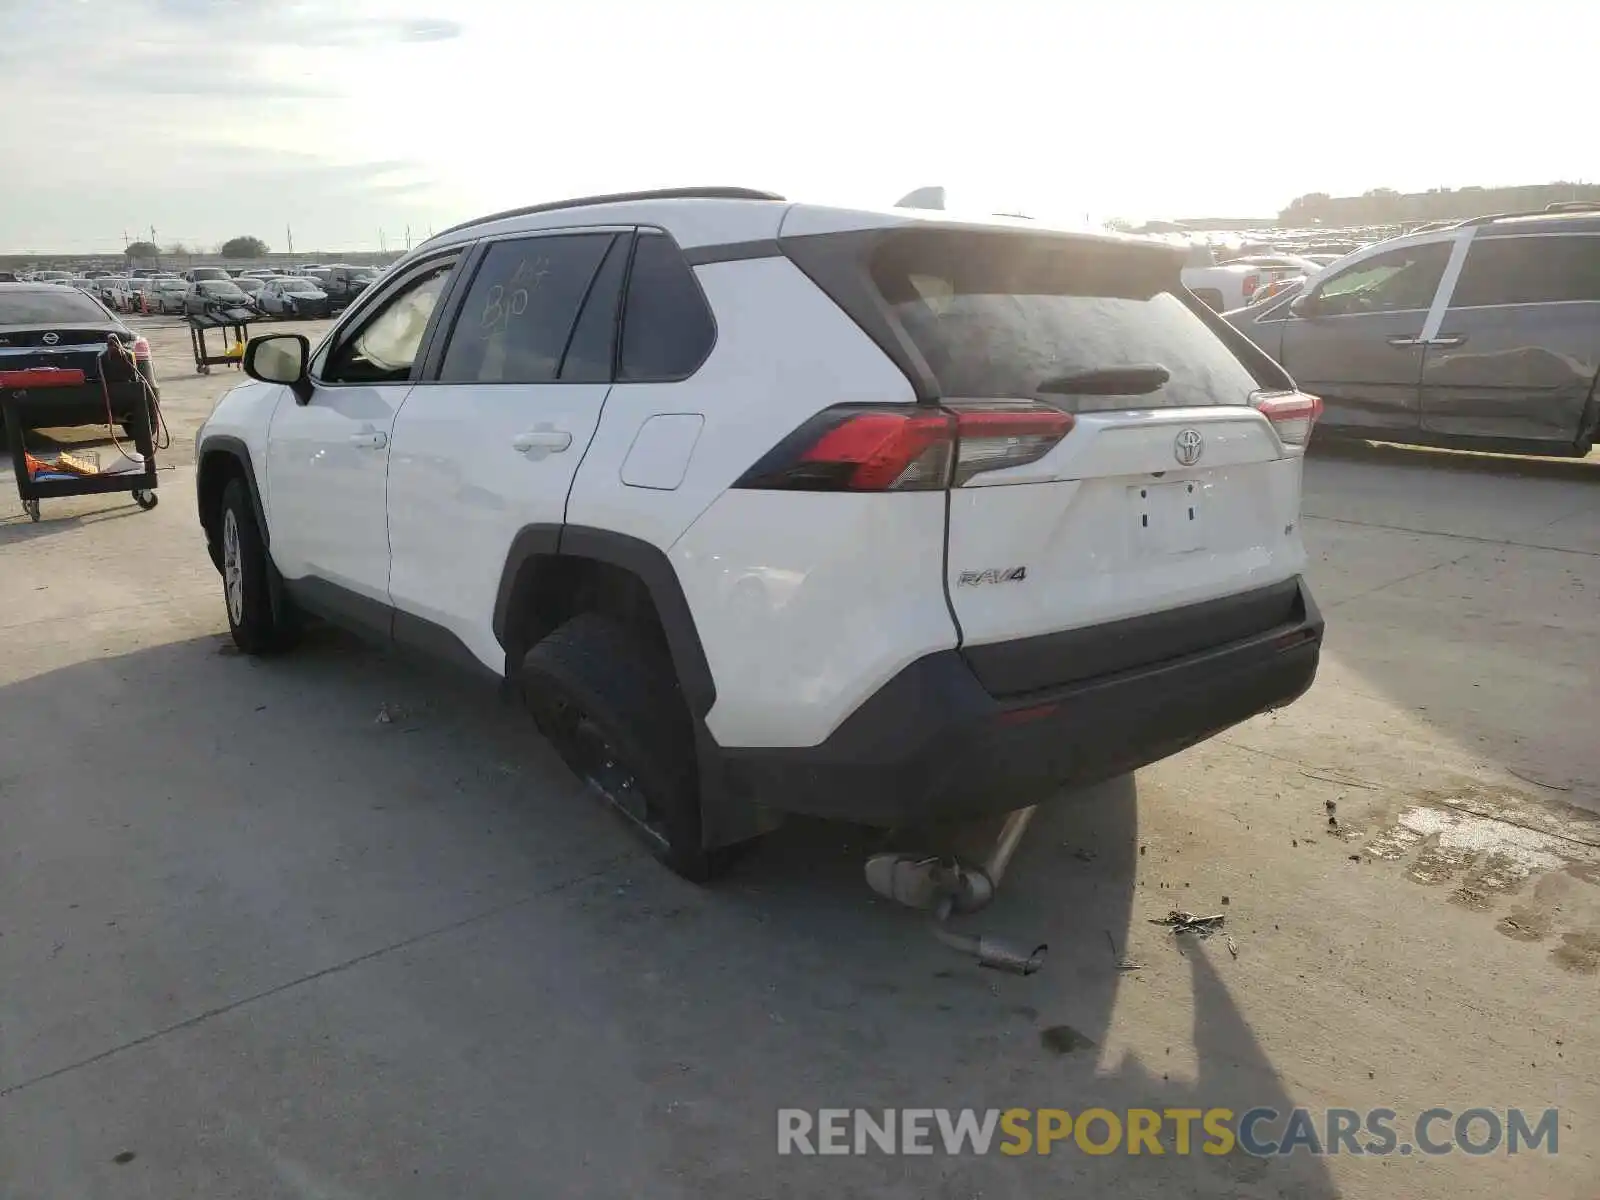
(1564,206)
(682,193)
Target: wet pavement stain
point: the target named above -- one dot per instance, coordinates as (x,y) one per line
(1589,872)
(1394,843)
(1578,953)
(1525,925)
(1063,1039)
(1494,876)
(1437,864)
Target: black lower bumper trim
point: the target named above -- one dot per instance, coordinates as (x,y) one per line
(933,744)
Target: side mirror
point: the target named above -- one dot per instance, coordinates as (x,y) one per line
(280,358)
(1305,305)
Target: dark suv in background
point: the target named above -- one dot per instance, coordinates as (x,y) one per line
(1481,336)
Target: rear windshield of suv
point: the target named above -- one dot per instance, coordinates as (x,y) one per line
(1012,315)
(57,306)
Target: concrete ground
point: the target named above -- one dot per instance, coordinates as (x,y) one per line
(255,943)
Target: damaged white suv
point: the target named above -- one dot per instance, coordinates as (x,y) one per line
(770,507)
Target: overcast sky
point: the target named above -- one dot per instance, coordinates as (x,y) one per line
(341,118)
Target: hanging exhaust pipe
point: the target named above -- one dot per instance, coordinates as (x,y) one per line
(946,887)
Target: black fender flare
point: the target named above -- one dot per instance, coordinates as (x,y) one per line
(648,562)
(224,443)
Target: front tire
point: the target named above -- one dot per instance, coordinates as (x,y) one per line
(246,592)
(609,705)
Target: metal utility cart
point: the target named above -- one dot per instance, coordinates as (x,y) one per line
(36,480)
(230,320)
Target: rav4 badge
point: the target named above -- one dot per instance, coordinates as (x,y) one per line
(992,575)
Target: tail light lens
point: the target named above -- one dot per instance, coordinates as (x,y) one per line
(141,350)
(851,448)
(1293,414)
(1250,284)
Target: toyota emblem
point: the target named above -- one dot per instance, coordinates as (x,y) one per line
(1186,447)
(50,339)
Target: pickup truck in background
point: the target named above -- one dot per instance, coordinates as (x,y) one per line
(1233,283)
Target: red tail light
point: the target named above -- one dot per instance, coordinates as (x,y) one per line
(1293,414)
(852,448)
(141,349)
(1250,283)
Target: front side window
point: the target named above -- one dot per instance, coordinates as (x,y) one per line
(1394,282)
(1528,270)
(389,339)
(518,315)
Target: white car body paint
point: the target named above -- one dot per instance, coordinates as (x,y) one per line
(805,602)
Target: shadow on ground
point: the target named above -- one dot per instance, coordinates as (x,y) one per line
(395,950)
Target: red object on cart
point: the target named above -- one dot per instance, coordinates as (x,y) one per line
(35,377)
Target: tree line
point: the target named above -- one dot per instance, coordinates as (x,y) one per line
(243,246)
(1385,206)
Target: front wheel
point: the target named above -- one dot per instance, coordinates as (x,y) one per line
(607,702)
(255,627)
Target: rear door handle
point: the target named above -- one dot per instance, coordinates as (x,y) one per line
(553,440)
(369,441)
(1404,341)
(1448,339)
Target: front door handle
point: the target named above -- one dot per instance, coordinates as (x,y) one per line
(1404,341)
(373,440)
(1448,339)
(552,440)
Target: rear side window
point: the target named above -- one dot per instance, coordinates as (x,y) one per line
(667,330)
(1085,326)
(1528,270)
(54,307)
(519,312)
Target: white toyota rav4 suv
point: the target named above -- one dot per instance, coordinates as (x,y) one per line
(769,507)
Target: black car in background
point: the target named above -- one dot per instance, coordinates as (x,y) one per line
(216,296)
(44,325)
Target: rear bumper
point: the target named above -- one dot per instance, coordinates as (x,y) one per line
(62,406)
(933,744)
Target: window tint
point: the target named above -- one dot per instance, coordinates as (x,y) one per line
(514,324)
(387,343)
(56,306)
(1529,270)
(667,329)
(1007,315)
(593,346)
(1394,282)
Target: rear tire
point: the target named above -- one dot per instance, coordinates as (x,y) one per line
(609,705)
(246,591)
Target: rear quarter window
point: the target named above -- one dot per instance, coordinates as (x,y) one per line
(667,329)
(999,315)
(1528,270)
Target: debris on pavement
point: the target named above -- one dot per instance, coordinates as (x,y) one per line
(1233,946)
(1186,922)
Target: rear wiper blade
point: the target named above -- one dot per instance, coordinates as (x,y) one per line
(1109,381)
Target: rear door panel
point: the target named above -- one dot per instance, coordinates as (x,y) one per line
(1516,354)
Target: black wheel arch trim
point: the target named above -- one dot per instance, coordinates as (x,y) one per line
(644,560)
(228,444)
